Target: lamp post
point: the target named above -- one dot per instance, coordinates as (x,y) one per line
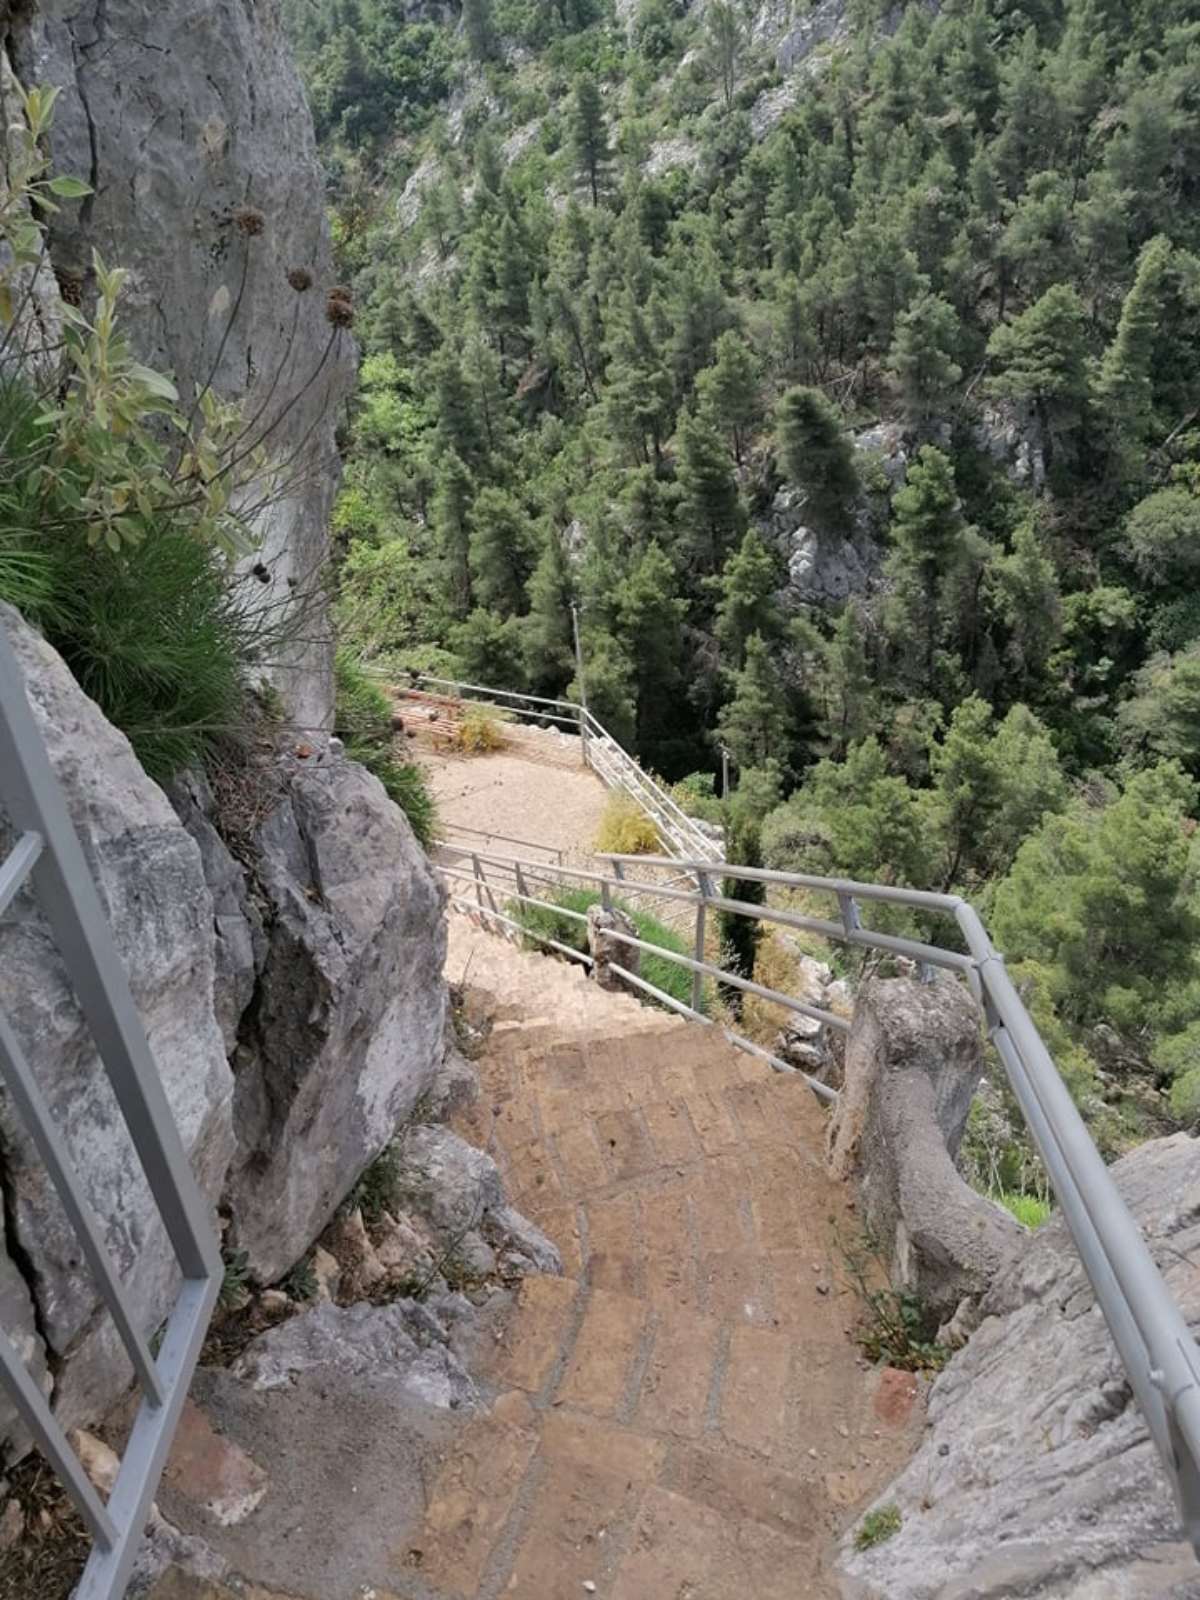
(582,681)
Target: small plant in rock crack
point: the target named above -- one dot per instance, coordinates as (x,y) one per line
(381,1187)
(236,1282)
(897,1327)
(877,1527)
(301,1281)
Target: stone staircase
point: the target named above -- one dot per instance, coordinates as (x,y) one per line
(682,1416)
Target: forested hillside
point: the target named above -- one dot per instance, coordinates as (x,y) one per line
(841,363)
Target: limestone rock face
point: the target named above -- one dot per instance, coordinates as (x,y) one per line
(152,886)
(1037,1475)
(913,1061)
(178,112)
(345,1032)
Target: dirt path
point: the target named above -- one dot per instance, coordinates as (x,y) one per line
(509,794)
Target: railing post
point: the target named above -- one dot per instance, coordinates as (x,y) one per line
(701,919)
(851,918)
(478,871)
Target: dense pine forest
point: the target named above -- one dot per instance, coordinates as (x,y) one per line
(841,364)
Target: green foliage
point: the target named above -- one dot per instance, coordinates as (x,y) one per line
(1029,1211)
(739,936)
(381,1187)
(664,974)
(816,455)
(877,1527)
(235,1281)
(363,719)
(626,830)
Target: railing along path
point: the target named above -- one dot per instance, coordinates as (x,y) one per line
(1147,1327)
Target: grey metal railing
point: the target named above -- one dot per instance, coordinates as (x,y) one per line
(48,857)
(608,759)
(1151,1335)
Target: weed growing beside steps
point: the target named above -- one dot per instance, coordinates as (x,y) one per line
(877,1527)
(626,830)
(896,1327)
(658,970)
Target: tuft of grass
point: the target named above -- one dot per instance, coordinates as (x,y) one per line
(658,970)
(363,719)
(897,1328)
(877,1527)
(480,729)
(301,1281)
(626,830)
(236,1281)
(381,1186)
(1029,1210)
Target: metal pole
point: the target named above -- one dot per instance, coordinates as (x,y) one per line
(583,705)
(701,917)
(724,773)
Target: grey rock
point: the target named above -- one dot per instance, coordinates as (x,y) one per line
(605,950)
(239,939)
(1012,437)
(823,569)
(402,1340)
(151,884)
(1036,1475)
(177,112)
(912,1063)
(455,1085)
(456,1190)
(346,1030)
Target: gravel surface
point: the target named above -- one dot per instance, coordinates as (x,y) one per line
(557,807)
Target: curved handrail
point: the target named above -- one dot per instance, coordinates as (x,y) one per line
(1151,1335)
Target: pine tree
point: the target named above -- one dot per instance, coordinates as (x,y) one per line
(1039,361)
(638,395)
(453,492)
(609,684)
(749,584)
(650,618)
(816,456)
(711,515)
(458,424)
(699,314)
(547,639)
(756,724)
(477,24)
(927,536)
(1030,603)
(729,390)
(738,936)
(489,651)
(1125,387)
(500,550)
(589,137)
(922,358)
(724,32)
(847,686)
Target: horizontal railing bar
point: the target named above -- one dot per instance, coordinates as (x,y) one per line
(507,838)
(36,1115)
(479,688)
(864,938)
(821,1090)
(516,894)
(746,985)
(475,910)
(659,994)
(920,899)
(17,866)
(37,1416)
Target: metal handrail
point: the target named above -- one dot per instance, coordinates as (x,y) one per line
(1149,1331)
(49,859)
(611,762)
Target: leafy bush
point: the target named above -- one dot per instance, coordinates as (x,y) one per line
(658,970)
(480,729)
(626,830)
(696,795)
(363,719)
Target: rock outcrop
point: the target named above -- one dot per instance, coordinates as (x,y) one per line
(913,1061)
(151,882)
(178,114)
(1037,1475)
(345,1030)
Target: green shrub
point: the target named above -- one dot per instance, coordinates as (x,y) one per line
(363,719)
(877,1527)
(1028,1209)
(664,974)
(626,830)
(480,730)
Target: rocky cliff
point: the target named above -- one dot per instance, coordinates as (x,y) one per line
(317,959)
(1037,1475)
(178,114)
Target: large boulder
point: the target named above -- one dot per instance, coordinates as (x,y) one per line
(179,112)
(1037,1475)
(345,1031)
(913,1062)
(151,883)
